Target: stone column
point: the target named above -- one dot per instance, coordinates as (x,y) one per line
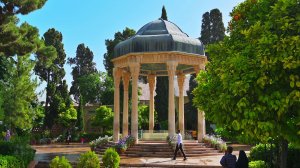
(201,114)
(126,78)
(117,78)
(201,125)
(134,70)
(171,66)
(180,79)
(152,83)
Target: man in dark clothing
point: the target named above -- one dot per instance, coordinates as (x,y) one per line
(228,160)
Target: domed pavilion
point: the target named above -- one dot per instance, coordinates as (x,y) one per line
(159,48)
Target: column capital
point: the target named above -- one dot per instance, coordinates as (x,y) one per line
(134,69)
(125,78)
(117,72)
(152,81)
(171,67)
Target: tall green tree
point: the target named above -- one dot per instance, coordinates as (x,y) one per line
(253,77)
(52,72)
(162,92)
(110,45)
(212,31)
(19,93)
(217,31)
(164,13)
(14,39)
(205,29)
(83,66)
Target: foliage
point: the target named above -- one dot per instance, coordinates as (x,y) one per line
(19,148)
(258,164)
(110,45)
(265,152)
(111,158)
(261,152)
(80,115)
(83,65)
(1,103)
(164,13)
(205,29)
(68,116)
(60,162)
(143,117)
(253,74)
(51,70)
(190,111)
(161,99)
(103,118)
(89,87)
(217,30)
(19,93)
(106,89)
(89,160)
(9,162)
(101,141)
(9,8)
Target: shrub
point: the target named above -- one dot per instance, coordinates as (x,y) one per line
(58,162)
(258,164)
(260,153)
(23,152)
(9,162)
(111,158)
(89,160)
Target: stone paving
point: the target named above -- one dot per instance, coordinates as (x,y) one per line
(45,153)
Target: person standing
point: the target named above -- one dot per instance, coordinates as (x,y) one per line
(228,160)
(242,161)
(179,146)
(7,135)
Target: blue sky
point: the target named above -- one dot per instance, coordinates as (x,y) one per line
(92,21)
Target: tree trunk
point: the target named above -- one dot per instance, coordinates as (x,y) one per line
(283,150)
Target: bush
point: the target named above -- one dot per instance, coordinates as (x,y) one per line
(9,162)
(89,160)
(258,164)
(18,148)
(111,158)
(258,153)
(58,162)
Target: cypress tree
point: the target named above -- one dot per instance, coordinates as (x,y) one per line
(212,31)
(164,13)
(161,99)
(162,89)
(217,31)
(205,29)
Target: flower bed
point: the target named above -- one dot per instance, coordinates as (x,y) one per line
(215,142)
(124,144)
(101,141)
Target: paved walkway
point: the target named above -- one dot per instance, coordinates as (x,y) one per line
(45,153)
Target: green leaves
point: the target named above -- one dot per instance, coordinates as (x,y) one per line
(252,82)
